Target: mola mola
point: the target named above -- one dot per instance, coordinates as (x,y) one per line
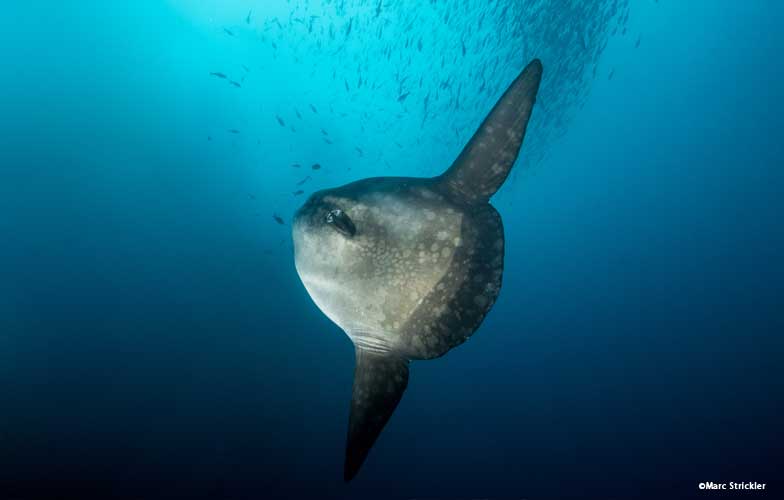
(409,267)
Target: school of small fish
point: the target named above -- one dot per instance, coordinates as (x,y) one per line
(373,52)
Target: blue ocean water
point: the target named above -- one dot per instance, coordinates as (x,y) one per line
(156,342)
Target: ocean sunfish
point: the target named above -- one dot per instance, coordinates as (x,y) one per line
(409,267)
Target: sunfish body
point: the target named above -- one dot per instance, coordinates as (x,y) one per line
(409,267)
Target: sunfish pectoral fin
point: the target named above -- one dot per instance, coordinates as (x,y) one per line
(485,162)
(379,382)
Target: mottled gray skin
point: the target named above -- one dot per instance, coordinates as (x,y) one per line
(418,276)
(409,267)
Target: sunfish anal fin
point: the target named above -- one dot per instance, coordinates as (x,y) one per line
(485,162)
(379,382)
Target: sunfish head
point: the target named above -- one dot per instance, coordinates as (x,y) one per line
(370,252)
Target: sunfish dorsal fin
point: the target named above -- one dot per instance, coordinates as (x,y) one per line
(485,162)
(379,382)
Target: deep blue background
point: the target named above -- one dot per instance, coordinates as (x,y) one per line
(155,341)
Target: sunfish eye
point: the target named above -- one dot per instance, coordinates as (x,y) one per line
(338,219)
